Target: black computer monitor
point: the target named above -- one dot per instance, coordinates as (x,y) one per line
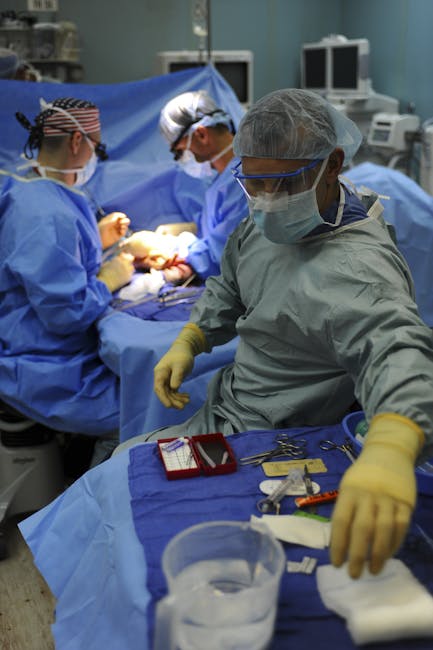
(236,66)
(336,67)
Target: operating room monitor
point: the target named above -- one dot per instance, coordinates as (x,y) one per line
(314,68)
(337,67)
(236,66)
(349,68)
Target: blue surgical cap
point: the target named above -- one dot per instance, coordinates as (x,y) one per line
(8,63)
(295,124)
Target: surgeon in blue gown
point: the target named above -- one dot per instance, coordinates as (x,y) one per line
(200,136)
(53,287)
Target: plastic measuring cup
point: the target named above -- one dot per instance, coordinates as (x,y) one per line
(223,579)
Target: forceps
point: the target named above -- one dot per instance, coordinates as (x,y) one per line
(345,447)
(286,446)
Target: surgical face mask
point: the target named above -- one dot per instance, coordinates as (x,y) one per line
(196,169)
(286,218)
(85,173)
(192,167)
(82,174)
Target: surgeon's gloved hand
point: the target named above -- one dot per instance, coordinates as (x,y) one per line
(377,495)
(113,227)
(176,364)
(117,272)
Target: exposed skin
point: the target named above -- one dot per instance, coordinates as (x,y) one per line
(73,152)
(207,142)
(328,188)
(204,143)
(166,385)
(368,525)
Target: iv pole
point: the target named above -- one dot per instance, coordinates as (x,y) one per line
(209,49)
(201,26)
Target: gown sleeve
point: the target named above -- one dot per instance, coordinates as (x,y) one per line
(57,268)
(220,305)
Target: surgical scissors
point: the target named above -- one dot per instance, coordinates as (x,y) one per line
(286,446)
(345,447)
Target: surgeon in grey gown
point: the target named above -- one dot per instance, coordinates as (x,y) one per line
(322,302)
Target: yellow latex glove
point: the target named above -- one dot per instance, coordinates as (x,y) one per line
(117,272)
(112,227)
(377,495)
(176,364)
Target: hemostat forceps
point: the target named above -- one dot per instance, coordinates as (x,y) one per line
(286,447)
(346,447)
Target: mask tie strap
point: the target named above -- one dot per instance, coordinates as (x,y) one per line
(340,210)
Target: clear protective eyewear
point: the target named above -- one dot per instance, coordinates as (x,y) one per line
(291,182)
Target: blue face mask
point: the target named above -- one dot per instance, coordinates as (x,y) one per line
(285,218)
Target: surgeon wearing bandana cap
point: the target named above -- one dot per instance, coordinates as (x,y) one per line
(53,287)
(323,304)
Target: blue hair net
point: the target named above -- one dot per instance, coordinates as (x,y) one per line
(295,124)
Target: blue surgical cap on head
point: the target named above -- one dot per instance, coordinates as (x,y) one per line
(8,63)
(295,124)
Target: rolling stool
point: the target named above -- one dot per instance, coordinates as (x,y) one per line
(31,468)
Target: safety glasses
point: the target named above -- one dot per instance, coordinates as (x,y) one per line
(99,148)
(291,183)
(177,153)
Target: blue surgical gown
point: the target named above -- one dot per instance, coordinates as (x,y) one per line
(50,299)
(225,206)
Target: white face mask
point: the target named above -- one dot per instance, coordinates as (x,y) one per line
(85,173)
(82,174)
(192,167)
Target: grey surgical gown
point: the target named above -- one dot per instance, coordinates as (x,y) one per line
(321,322)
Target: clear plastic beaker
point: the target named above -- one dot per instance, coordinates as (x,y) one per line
(223,580)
